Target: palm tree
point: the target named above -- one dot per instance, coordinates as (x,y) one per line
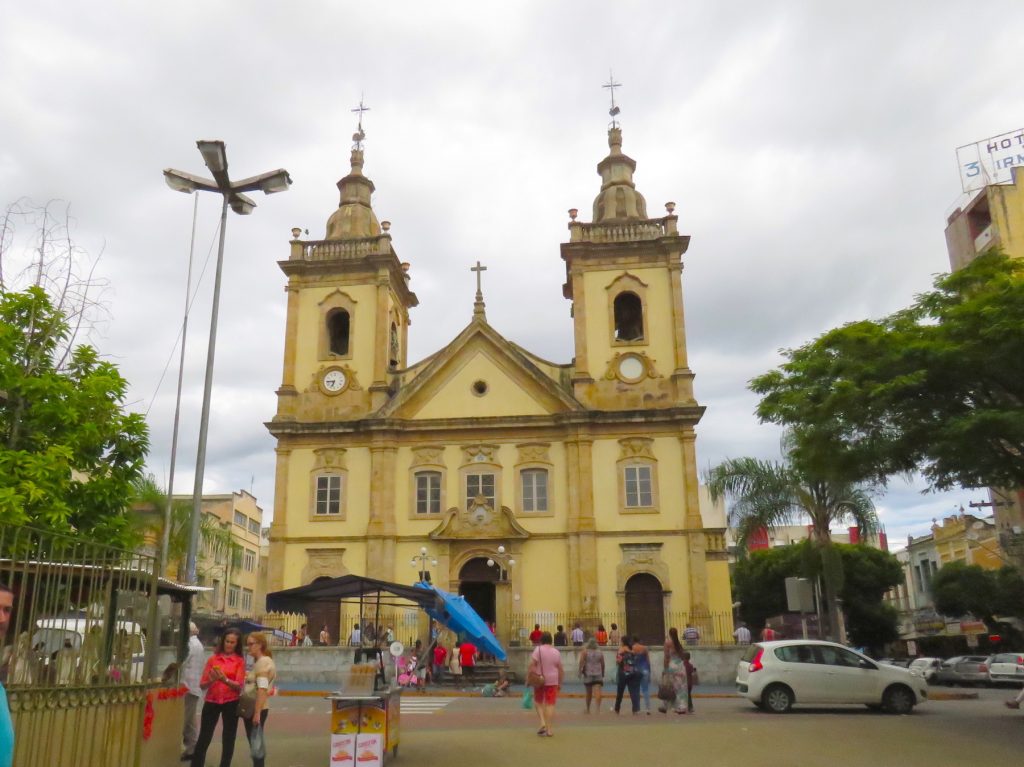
(769,494)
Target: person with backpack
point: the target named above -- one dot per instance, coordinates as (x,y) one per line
(592,672)
(626,676)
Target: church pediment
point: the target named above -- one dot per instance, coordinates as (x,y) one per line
(480,375)
(478,522)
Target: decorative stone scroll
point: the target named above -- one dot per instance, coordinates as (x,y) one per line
(478,522)
(329,458)
(636,447)
(479,454)
(534,452)
(428,455)
(324,563)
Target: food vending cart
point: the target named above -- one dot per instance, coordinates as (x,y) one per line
(365,711)
(364,727)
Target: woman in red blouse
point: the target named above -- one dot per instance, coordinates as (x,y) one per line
(223,679)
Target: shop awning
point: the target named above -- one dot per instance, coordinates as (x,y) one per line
(350,588)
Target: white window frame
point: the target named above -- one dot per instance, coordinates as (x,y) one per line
(249,560)
(531,501)
(431,504)
(634,476)
(247,600)
(477,478)
(322,509)
(233,596)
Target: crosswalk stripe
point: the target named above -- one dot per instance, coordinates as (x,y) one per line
(423,705)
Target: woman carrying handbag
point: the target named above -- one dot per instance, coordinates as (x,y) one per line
(545,675)
(258,685)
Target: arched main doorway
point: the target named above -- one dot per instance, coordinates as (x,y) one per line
(324,614)
(645,609)
(477,584)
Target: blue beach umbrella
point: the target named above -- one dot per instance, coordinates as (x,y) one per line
(456,613)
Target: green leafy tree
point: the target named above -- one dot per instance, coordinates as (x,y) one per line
(69,453)
(938,387)
(759,583)
(769,494)
(959,588)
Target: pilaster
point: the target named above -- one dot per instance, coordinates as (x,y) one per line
(380,529)
(279,527)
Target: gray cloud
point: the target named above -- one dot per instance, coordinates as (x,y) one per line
(809,150)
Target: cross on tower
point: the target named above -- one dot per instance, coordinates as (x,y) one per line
(611,85)
(359,134)
(478,305)
(478,269)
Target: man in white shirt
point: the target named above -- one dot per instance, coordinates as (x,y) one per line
(742,634)
(356,637)
(191,670)
(577,636)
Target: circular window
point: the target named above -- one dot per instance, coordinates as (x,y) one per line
(631,368)
(479,388)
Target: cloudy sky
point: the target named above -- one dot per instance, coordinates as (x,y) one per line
(810,148)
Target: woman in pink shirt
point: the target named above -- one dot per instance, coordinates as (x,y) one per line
(223,679)
(546,661)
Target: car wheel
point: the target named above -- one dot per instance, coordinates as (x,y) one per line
(898,699)
(777,698)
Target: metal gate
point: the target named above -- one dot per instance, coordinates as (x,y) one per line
(75,656)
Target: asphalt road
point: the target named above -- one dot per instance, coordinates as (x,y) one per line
(479,732)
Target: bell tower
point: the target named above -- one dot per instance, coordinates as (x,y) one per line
(348,310)
(624,278)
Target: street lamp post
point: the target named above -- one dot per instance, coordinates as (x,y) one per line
(503,562)
(232,194)
(420,561)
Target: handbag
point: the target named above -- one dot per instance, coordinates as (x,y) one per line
(257,745)
(247,705)
(694,678)
(535,678)
(666,687)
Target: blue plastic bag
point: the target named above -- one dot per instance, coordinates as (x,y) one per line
(257,746)
(528,698)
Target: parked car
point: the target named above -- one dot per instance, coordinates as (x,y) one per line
(962,670)
(1006,667)
(925,668)
(776,675)
(900,662)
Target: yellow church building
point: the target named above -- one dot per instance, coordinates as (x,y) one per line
(540,488)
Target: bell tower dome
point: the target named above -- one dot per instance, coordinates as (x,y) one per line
(624,277)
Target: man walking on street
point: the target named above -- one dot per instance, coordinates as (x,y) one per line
(191,671)
(6,726)
(690,634)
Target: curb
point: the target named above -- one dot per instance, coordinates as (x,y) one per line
(952,695)
(476,694)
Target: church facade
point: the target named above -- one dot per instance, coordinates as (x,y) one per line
(539,488)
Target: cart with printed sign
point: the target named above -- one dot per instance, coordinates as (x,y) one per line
(365,711)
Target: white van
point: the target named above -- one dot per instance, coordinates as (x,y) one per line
(68,644)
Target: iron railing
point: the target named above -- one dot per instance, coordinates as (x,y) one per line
(75,656)
(713,628)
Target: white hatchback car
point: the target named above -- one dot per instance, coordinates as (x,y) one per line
(775,675)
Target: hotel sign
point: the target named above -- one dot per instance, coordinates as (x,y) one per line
(990,161)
